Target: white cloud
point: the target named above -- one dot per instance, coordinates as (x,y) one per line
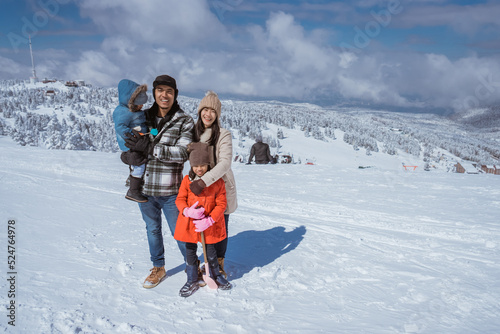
(286,61)
(123,46)
(11,69)
(289,40)
(279,59)
(95,67)
(176,24)
(430,80)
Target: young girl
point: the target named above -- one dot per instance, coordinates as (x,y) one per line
(201,213)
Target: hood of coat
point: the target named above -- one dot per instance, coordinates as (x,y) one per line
(128,90)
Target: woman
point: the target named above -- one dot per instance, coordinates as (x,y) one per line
(207,130)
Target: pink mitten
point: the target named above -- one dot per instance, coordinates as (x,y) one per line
(193,212)
(203,224)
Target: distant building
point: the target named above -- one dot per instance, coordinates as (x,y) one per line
(459,168)
(491,169)
(50,93)
(71,84)
(466,167)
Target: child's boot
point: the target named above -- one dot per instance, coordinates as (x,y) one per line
(221,266)
(134,193)
(201,282)
(192,281)
(222,283)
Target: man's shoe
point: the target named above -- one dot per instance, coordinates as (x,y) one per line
(156,276)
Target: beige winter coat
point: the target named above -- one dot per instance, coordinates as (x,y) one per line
(224,157)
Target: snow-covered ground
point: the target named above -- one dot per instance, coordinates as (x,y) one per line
(313,248)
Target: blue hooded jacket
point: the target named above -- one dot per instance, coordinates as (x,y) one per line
(124,118)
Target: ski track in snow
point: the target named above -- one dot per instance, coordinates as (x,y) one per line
(311,249)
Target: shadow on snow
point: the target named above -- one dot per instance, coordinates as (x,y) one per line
(252,249)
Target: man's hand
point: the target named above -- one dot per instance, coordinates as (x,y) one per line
(137,142)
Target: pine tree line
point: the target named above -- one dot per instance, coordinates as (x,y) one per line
(80,118)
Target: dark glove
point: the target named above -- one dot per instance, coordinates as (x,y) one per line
(197,186)
(137,142)
(133,158)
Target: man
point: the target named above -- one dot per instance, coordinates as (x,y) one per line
(171,130)
(261,152)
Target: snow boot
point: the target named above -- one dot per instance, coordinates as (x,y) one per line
(220,260)
(192,281)
(222,283)
(188,289)
(134,193)
(221,266)
(157,275)
(215,273)
(201,282)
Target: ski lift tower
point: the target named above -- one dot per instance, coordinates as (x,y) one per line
(33,79)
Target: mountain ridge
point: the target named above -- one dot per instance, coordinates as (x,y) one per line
(79,118)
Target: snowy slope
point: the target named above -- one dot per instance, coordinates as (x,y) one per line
(312,248)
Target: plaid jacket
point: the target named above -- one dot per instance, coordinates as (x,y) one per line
(163,175)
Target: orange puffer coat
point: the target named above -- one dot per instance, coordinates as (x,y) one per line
(213,199)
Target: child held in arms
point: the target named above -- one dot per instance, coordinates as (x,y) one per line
(128,116)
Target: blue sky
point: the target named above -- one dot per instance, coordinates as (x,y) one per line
(427,54)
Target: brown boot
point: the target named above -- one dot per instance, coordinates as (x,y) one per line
(156,276)
(201,282)
(221,266)
(220,260)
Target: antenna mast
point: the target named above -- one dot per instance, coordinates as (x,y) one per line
(33,79)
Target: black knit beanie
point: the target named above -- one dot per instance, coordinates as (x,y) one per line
(165,80)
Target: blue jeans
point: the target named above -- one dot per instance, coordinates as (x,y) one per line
(151,213)
(138,171)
